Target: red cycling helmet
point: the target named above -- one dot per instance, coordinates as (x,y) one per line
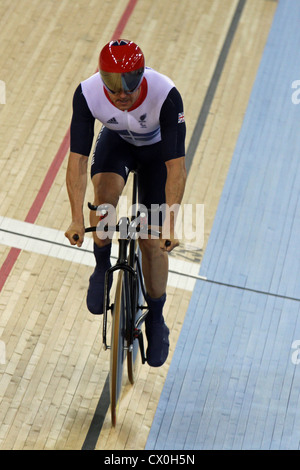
(121,66)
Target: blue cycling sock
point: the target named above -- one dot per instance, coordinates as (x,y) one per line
(95,294)
(156,308)
(102,256)
(157,332)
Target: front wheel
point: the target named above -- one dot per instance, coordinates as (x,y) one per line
(132,355)
(117,351)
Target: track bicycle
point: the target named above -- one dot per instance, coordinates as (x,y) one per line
(129,309)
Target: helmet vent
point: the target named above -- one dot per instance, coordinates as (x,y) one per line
(120,43)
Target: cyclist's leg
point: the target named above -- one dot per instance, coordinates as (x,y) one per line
(155,270)
(152,180)
(110,166)
(155,267)
(107,190)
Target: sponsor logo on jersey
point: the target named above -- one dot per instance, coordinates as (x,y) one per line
(112,121)
(142,121)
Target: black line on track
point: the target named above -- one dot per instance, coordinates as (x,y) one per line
(51,242)
(196,136)
(103,404)
(73,247)
(191,276)
(44,240)
(249,289)
(98,419)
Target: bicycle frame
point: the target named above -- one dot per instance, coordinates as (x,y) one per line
(122,263)
(130,264)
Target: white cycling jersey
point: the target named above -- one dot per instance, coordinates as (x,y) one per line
(139,126)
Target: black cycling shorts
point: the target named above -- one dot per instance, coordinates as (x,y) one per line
(113,154)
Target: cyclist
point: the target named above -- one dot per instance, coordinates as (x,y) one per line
(143,129)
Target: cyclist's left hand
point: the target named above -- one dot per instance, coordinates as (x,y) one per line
(168,240)
(169,244)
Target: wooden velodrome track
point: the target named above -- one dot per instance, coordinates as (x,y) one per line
(55,370)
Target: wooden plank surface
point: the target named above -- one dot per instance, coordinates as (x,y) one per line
(55,367)
(235,350)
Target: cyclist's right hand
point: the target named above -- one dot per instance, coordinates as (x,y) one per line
(75,233)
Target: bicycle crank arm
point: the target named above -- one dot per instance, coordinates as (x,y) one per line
(139,335)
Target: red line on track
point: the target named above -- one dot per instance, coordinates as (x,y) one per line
(124,19)
(8,265)
(54,167)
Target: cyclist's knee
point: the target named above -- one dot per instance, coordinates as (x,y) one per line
(107,188)
(150,247)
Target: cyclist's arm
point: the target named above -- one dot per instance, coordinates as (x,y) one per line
(173,132)
(175,185)
(176,179)
(76,180)
(82,133)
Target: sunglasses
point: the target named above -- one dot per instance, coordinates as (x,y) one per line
(127,82)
